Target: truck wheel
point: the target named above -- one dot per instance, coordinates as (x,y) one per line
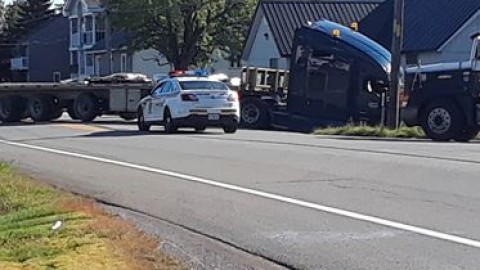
(41,108)
(169,123)
(11,109)
(71,112)
(142,125)
(442,121)
(468,134)
(86,107)
(254,114)
(128,116)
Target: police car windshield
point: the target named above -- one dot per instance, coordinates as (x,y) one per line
(203,85)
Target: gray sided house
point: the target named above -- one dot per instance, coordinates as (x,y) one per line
(435,31)
(271,34)
(42,56)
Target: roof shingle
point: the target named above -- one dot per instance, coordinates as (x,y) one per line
(285,16)
(428,24)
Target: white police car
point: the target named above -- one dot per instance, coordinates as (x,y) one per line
(190,99)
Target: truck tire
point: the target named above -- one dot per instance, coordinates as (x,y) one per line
(12,109)
(41,108)
(442,120)
(254,114)
(468,134)
(71,112)
(128,116)
(86,107)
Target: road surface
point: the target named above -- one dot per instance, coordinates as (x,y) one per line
(291,200)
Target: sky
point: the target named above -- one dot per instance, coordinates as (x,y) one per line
(54,1)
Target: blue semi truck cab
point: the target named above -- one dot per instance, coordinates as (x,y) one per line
(336,76)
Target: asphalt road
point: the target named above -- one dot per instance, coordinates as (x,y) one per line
(297,200)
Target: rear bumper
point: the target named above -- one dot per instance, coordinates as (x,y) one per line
(202,120)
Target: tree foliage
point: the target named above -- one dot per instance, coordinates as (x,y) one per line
(186,32)
(11,28)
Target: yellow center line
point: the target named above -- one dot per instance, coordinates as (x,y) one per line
(83,127)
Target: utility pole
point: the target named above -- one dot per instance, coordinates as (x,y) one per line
(108,35)
(393,110)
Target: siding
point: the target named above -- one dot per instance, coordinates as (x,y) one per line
(459,48)
(141,64)
(264,49)
(49,51)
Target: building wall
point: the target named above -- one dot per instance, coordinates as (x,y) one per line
(264,48)
(48,52)
(458,48)
(142,62)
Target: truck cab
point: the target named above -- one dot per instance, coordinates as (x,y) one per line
(336,76)
(444,98)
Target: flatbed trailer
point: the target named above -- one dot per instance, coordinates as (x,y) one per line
(83,101)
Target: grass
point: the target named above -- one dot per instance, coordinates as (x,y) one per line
(89,238)
(368,131)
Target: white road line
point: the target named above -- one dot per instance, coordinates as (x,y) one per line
(318,207)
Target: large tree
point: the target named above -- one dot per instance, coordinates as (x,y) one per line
(33,11)
(11,29)
(186,32)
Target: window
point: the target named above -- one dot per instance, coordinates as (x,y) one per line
(158,89)
(100,29)
(477,55)
(74,25)
(88,26)
(89,60)
(74,58)
(123,62)
(203,85)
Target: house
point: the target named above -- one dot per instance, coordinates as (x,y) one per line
(269,41)
(42,56)
(434,31)
(92,55)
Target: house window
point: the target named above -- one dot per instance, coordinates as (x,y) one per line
(88,34)
(74,58)
(123,62)
(235,62)
(89,60)
(74,25)
(100,28)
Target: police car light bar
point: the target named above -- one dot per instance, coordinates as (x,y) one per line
(192,73)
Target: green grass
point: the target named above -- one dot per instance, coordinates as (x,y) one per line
(89,238)
(368,131)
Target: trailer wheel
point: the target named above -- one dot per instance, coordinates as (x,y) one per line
(128,116)
(442,121)
(86,107)
(468,134)
(41,108)
(12,109)
(254,114)
(71,112)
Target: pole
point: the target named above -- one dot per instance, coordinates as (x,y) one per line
(108,38)
(393,110)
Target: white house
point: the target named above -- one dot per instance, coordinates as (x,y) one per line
(89,50)
(271,34)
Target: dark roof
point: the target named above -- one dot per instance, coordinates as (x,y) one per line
(117,41)
(428,24)
(284,17)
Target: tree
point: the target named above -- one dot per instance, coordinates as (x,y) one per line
(11,29)
(186,32)
(33,11)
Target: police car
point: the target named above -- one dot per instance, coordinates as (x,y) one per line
(191,99)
